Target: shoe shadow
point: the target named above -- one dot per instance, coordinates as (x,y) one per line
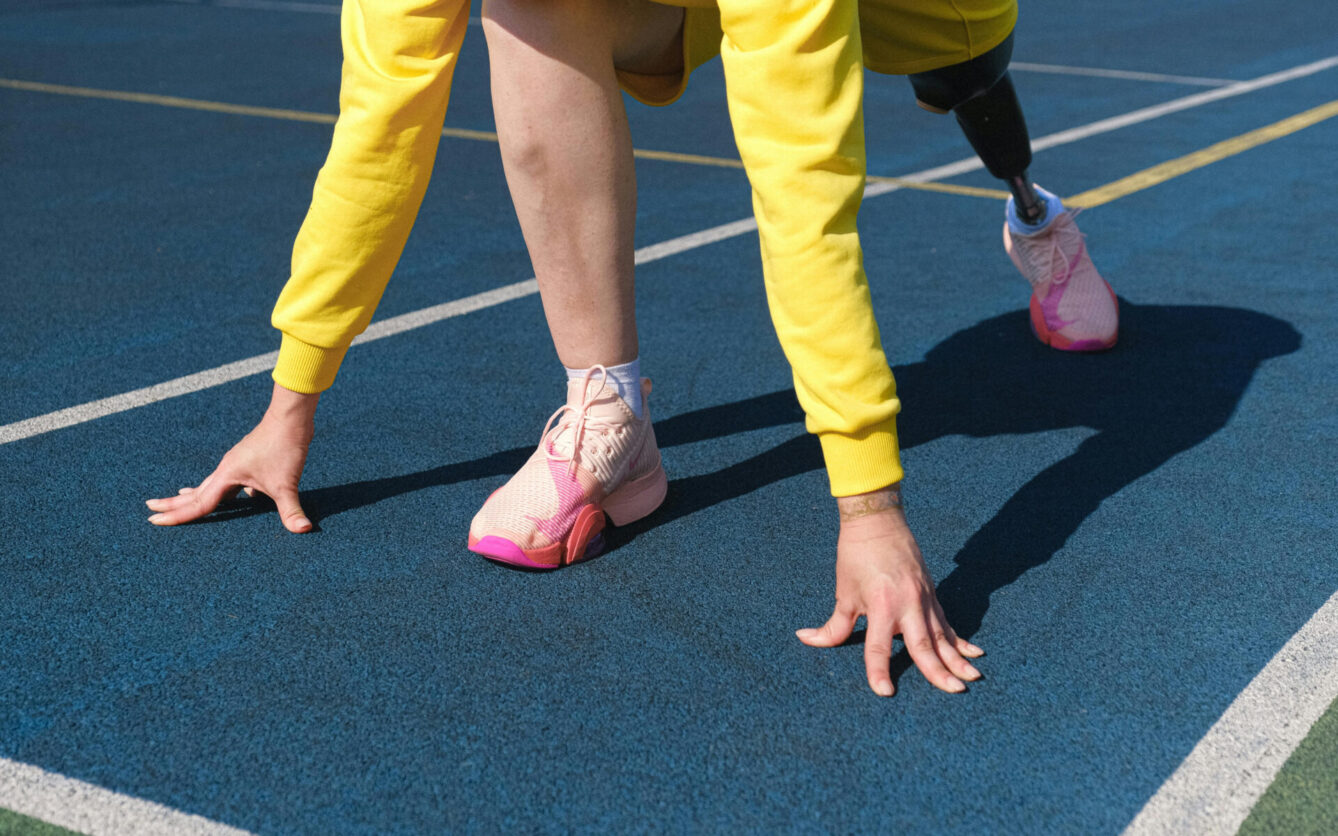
(323,503)
(1174,380)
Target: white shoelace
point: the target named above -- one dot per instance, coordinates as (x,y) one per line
(1055,251)
(583,421)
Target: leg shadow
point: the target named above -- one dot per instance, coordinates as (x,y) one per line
(1175,379)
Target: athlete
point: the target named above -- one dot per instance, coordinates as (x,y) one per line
(794,84)
(557,68)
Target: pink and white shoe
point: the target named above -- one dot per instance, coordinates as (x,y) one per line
(1072,307)
(595,457)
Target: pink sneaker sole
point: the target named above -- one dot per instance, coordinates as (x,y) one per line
(627,504)
(1059,341)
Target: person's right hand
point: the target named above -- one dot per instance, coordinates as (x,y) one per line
(269,460)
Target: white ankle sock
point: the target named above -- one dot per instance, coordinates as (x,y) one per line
(624,379)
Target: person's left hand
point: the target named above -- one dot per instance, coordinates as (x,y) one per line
(881,575)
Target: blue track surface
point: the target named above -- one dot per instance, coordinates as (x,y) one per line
(1131,536)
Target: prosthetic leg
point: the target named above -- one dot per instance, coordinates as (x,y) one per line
(1072,307)
(981,95)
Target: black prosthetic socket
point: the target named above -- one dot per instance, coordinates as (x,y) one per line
(993,124)
(980,94)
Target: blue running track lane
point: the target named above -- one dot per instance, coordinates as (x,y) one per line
(1131,536)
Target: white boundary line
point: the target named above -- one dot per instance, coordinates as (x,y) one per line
(92,410)
(86,808)
(53,798)
(239,369)
(1176,105)
(1214,789)
(1102,126)
(1130,75)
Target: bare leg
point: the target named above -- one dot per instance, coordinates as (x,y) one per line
(568,155)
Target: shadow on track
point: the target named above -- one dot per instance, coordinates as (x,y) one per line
(1175,379)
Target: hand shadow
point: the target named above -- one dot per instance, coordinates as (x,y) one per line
(1174,380)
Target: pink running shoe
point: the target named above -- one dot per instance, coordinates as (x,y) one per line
(598,459)
(1072,307)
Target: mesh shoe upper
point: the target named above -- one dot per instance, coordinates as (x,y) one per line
(590,447)
(1077,304)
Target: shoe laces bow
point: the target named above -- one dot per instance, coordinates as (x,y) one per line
(1066,237)
(578,420)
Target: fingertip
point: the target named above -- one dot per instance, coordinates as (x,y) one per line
(158,519)
(966,648)
(809,636)
(300,525)
(817,637)
(883,688)
(954,686)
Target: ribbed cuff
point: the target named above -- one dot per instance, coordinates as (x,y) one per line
(306,368)
(864,462)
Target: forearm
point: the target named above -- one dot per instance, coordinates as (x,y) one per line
(399,58)
(794,78)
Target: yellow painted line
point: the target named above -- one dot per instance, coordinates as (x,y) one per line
(690,159)
(726,162)
(168,101)
(1094,197)
(465,133)
(212,107)
(945,188)
(454,133)
(1149,177)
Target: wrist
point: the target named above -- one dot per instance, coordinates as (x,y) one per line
(884,501)
(289,407)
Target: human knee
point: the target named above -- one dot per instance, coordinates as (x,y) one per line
(541,52)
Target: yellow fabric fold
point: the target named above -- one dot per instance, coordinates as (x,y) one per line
(307,368)
(399,57)
(794,86)
(795,82)
(863,461)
